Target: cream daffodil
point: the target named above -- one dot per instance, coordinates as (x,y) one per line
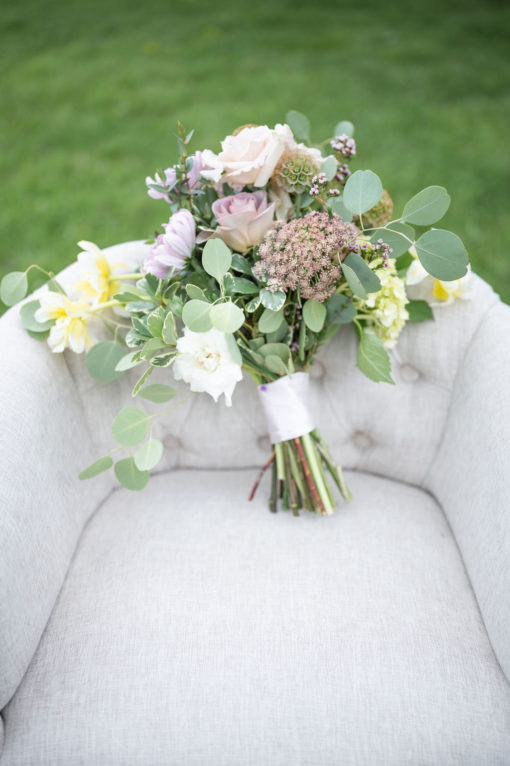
(445,292)
(97,283)
(71,320)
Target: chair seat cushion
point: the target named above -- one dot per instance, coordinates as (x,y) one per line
(195,628)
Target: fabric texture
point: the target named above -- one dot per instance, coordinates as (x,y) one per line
(215,633)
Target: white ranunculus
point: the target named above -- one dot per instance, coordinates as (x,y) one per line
(205,362)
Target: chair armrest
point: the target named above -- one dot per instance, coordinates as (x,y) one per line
(470,475)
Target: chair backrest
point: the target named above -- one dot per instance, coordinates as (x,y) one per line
(55,419)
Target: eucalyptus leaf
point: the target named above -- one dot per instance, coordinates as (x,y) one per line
(362,191)
(340,309)
(270,320)
(149,454)
(314,314)
(373,359)
(365,274)
(397,237)
(344,127)
(442,254)
(275,364)
(427,207)
(129,475)
(130,426)
(270,300)
(299,124)
(276,349)
(28,320)
(419,311)
(103,464)
(336,205)
(102,360)
(227,317)
(197,316)
(13,287)
(216,258)
(157,392)
(353,281)
(195,292)
(329,167)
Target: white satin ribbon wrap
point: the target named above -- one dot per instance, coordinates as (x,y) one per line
(285,403)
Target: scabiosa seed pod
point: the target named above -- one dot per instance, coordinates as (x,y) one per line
(295,171)
(306,253)
(379,214)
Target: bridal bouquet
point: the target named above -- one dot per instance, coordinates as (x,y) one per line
(269,247)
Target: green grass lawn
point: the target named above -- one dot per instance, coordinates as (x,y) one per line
(91,92)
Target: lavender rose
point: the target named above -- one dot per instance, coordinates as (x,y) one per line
(243,219)
(173,247)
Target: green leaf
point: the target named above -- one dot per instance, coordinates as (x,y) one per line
(149,454)
(252,305)
(38,335)
(28,319)
(365,274)
(102,360)
(134,339)
(314,314)
(155,322)
(340,309)
(103,464)
(151,347)
(362,191)
(302,341)
(227,317)
(394,239)
(233,348)
(276,349)
(140,327)
(139,383)
(216,258)
(427,207)
(129,475)
(152,283)
(195,292)
(128,297)
(402,264)
(244,286)
(329,167)
(373,359)
(228,284)
(242,264)
(353,281)
(165,360)
(270,320)
(299,124)
(419,311)
(442,254)
(344,127)
(128,361)
(130,426)
(197,316)
(13,287)
(270,300)
(275,364)
(169,333)
(337,206)
(157,392)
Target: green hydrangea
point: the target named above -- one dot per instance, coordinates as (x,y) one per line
(386,309)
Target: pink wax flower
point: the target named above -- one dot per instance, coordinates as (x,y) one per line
(243,219)
(173,247)
(199,164)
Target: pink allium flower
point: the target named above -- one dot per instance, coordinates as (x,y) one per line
(199,164)
(306,254)
(243,219)
(173,247)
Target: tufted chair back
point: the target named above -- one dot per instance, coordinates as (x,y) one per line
(390,430)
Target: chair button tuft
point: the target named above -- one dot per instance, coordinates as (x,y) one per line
(317,371)
(362,440)
(409,374)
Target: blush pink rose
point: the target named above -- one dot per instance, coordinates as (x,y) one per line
(243,219)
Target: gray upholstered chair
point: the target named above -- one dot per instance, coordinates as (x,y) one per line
(184,626)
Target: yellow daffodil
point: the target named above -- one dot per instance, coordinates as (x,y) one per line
(71,320)
(97,283)
(445,292)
